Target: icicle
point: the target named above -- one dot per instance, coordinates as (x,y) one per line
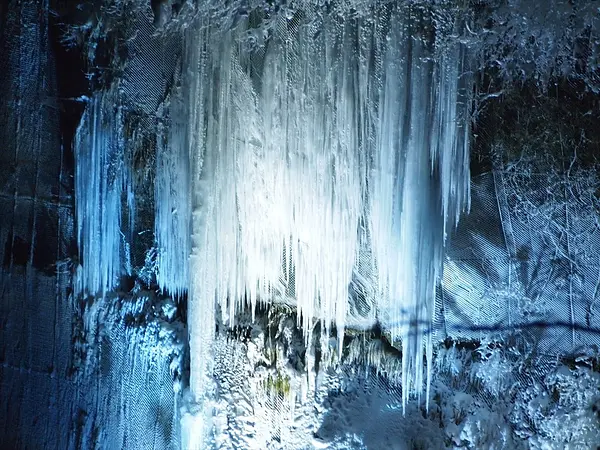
(172,194)
(420,184)
(450,133)
(335,125)
(99,181)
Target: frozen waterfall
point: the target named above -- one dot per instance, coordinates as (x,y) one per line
(300,148)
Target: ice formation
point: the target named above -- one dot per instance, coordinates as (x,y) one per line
(172,199)
(102,179)
(297,144)
(327,126)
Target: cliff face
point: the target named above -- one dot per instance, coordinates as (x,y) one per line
(36,235)
(96,228)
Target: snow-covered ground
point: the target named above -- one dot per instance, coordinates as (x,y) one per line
(483,396)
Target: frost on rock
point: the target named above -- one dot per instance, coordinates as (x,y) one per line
(335,128)
(130,353)
(560,411)
(539,42)
(497,398)
(483,394)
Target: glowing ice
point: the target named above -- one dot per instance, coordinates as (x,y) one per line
(333,125)
(101,178)
(338,136)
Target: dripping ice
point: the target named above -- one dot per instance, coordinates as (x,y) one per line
(348,122)
(284,168)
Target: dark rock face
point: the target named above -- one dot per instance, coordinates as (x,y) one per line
(71,376)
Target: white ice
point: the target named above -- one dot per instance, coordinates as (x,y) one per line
(340,123)
(292,149)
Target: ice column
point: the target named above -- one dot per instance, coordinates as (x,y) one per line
(101,179)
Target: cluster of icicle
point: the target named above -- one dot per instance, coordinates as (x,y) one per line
(287,146)
(102,180)
(331,126)
(105,196)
